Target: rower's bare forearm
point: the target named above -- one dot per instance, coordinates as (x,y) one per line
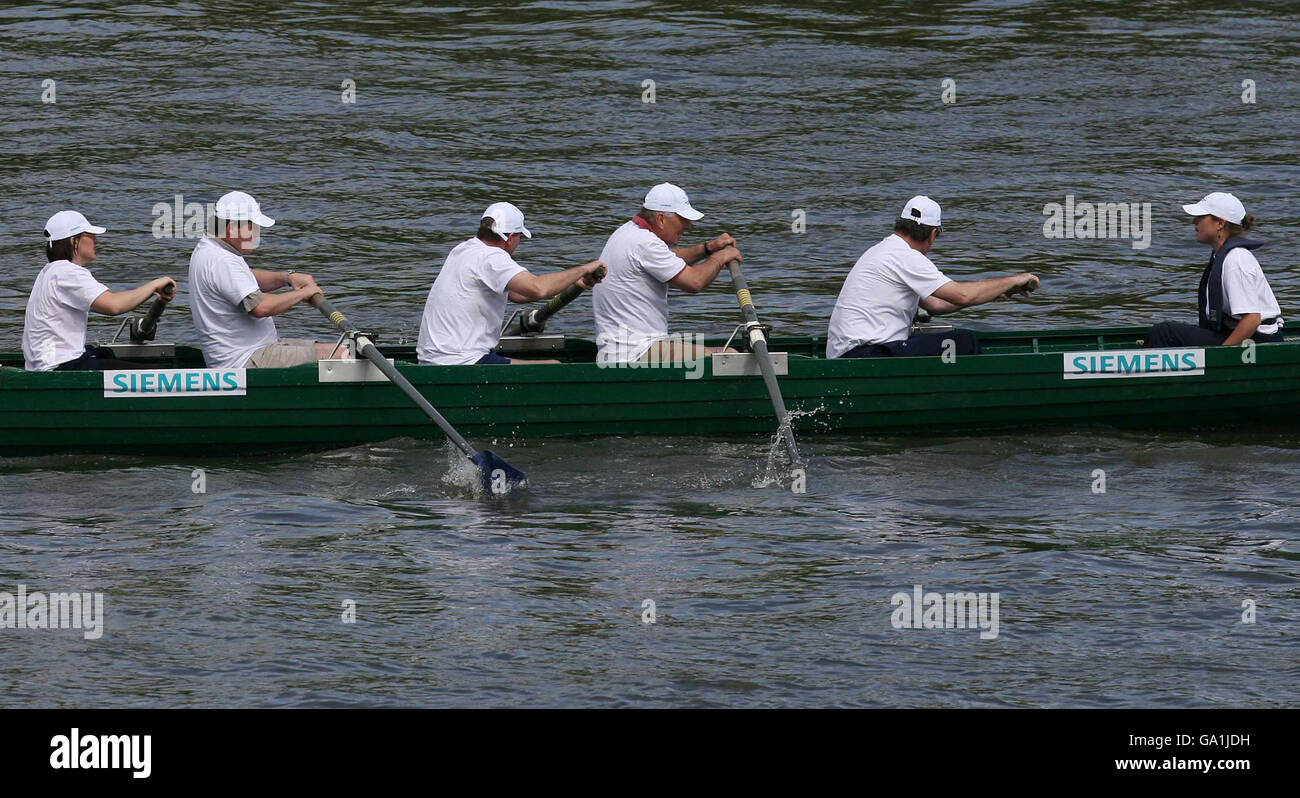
(269,280)
(1245,328)
(693,254)
(989,290)
(275,304)
(707,271)
(562,280)
(115,304)
(545,286)
(938,307)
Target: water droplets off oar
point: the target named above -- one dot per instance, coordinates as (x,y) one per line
(496,475)
(758,345)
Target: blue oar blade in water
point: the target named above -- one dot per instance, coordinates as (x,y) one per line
(498,475)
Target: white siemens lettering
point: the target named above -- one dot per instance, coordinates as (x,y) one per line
(176,382)
(1133,363)
(98,751)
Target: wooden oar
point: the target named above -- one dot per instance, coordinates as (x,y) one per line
(758,344)
(534,321)
(497,475)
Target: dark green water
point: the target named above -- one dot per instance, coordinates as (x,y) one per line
(233,597)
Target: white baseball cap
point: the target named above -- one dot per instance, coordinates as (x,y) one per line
(667,197)
(236,206)
(1220,204)
(921,209)
(66,224)
(506,219)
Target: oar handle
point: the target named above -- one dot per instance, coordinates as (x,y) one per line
(328,310)
(742,292)
(143,329)
(534,321)
(155,310)
(566,296)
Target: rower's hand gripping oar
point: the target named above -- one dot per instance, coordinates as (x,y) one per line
(497,475)
(534,321)
(1024,289)
(758,345)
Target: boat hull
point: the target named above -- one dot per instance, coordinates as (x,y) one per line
(1020,383)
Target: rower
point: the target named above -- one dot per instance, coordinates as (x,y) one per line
(461,325)
(1234,301)
(873,314)
(232,304)
(631,305)
(54,327)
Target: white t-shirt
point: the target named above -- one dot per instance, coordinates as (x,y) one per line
(54,331)
(1245,290)
(219,282)
(880,296)
(631,303)
(463,314)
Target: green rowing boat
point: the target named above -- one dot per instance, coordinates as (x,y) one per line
(1061,378)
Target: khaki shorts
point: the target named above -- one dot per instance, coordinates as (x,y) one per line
(672,351)
(283,353)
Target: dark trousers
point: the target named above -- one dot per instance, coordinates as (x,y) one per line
(964,342)
(98,358)
(1173,334)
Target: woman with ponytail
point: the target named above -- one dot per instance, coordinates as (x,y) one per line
(1234,301)
(54,327)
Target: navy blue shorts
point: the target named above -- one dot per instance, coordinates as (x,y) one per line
(1173,334)
(959,342)
(98,358)
(492,359)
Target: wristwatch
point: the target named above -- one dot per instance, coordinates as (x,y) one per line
(288,278)
(707,253)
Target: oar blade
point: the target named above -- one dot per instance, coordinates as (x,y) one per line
(498,475)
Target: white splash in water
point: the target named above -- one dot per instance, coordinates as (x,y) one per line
(464,474)
(779,468)
(461,473)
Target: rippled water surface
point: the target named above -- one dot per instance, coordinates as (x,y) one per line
(763,597)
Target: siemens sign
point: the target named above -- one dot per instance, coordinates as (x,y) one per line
(175,382)
(1133,363)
